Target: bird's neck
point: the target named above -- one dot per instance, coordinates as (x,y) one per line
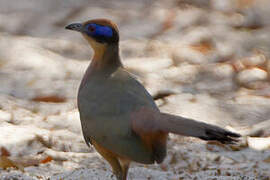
(106,60)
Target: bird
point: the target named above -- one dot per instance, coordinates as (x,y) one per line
(118,115)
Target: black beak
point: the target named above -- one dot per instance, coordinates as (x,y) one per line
(75,27)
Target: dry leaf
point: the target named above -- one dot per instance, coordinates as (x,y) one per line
(267,160)
(27,161)
(5,163)
(46,160)
(210,148)
(52,98)
(203,47)
(237,148)
(4,152)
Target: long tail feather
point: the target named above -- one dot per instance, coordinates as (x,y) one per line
(189,127)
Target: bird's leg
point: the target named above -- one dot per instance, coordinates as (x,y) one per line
(125,166)
(112,160)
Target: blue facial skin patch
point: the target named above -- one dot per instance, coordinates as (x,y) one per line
(98,30)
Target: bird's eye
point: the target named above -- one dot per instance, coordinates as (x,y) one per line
(91,28)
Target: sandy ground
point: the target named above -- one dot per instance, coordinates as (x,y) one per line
(206,60)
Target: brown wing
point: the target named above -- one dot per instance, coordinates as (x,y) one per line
(144,125)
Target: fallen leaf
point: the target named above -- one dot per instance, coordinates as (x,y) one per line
(203,47)
(267,160)
(4,152)
(46,160)
(52,98)
(5,163)
(211,148)
(33,160)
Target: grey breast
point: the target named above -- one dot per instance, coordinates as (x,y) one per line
(105,106)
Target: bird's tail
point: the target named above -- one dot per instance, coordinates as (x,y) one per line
(188,127)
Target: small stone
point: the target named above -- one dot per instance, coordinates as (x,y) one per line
(223,71)
(258,143)
(255,60)
(5,116)
(250,75)
(220,5)
(225,50)
(184,73)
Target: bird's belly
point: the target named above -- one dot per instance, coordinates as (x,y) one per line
(115,134)
(105,117)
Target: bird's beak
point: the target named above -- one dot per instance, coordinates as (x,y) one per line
(75,27)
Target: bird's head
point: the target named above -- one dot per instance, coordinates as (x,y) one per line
(98,32)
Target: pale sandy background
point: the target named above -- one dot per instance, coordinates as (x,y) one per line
(203,59)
